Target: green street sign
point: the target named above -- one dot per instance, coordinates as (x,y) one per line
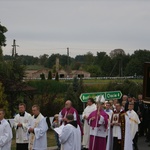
(107,95)
(113,95)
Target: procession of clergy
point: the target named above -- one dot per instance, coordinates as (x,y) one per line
(103,129)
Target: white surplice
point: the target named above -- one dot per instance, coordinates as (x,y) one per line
(5,135)
(86,128)
(134,122)
(22,132)
(109,113)
(38,139)
(127,140)
(70,137)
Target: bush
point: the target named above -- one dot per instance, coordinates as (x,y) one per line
(48,86)
(3,102)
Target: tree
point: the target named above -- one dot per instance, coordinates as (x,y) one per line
(49,75)
(43,59)
(73,93)
(89,58)
(3,102)
(76,65)
(75,84)
(3,30)
(42,76)
(57,76)
(134,67)
(94,70)
(106,66)
(99,58)
(119,62)
(116,52)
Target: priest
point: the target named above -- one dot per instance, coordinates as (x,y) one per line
(70,137)
(98,121)
(37,130)
(134,124)
(89,109)
(68,109)
(5,132)
(119,136)
(21,122)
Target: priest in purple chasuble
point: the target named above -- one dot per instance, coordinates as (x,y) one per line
(68,109)
(98,121)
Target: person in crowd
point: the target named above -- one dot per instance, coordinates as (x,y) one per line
(111,103)
(123,105)
(115,101)
(131,99)
(90,108)
(70,137)
(98,121)
(5,132)
(37,130)
(108,109)
(146,117)
(119,137)
(124,98)
(134,123)
(140,114)
(109,112)
(69,109)
(56,125)
(21,122)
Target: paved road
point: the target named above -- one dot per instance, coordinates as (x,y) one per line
(141,143)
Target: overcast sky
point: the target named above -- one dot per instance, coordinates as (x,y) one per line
(50,26)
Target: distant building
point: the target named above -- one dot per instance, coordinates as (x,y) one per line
(35,74)
(79,73)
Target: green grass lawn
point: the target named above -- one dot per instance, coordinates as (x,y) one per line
(50,139)
(101,81)
(35,67)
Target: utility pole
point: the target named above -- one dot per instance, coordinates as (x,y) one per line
(67,61)
(14,52)
(68,56)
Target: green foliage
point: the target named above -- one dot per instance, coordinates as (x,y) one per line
(89,58)
(3,102)
(73,93)
(116,64)
(75,84)
(49,75)
(49,96)
(133,67)
(42,76)
(50,104)
(43,59)
(3,30)
(35,67)
(48,86)
(94,70)
(126,87)
(56,77)
(1,54)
